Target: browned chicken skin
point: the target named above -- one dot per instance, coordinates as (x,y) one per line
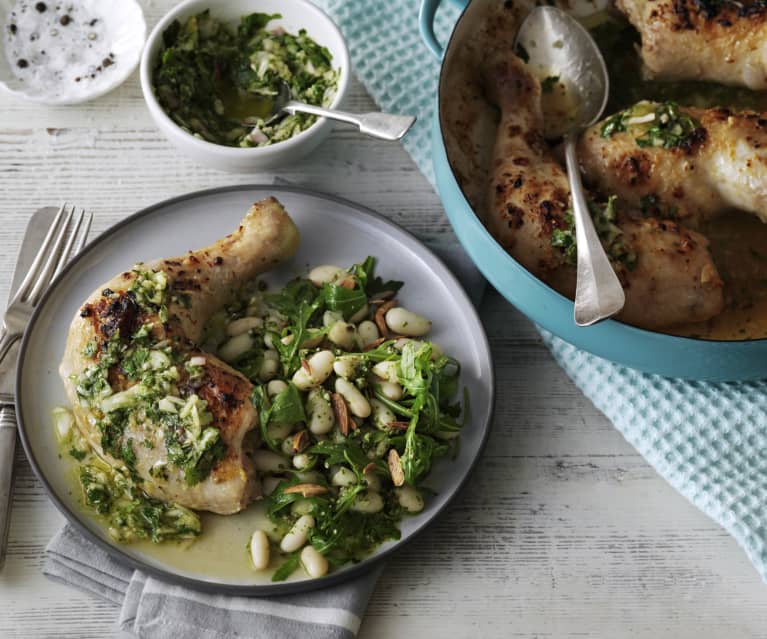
(718,40)
(674,279)
(723,168)
(198,284)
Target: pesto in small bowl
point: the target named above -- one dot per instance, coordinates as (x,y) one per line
(219,84)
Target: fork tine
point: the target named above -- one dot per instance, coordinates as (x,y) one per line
(42,254)
(85,232)
(66,252)
(44,277)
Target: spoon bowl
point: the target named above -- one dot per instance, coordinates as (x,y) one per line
(557,46)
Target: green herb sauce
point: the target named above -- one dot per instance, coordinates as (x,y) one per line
(654,124)
(219,84)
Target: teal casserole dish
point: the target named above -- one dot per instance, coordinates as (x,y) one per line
(648,351)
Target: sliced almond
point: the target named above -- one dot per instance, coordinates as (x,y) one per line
(341,412)
(398,425)
(380,316)
(306,490)
(381,297)
(300,441)
(395,468)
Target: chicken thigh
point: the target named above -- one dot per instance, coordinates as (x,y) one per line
(666,269)
(719,166)
(144,395)
(718,40)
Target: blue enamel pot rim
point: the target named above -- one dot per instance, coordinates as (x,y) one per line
(647,351)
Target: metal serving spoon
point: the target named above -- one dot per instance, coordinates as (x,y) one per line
(558,45)
(385,126)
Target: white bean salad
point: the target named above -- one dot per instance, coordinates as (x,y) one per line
(355,404)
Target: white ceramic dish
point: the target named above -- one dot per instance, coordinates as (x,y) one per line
(57,52)
(296,15)
(333,231)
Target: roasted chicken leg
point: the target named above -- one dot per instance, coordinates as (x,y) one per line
(145,396)
(722,41)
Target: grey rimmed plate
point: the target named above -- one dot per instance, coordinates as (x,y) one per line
(333,231)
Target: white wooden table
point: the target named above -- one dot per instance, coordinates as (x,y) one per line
(563,531)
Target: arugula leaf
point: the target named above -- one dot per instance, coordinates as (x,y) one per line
(348,452)
(289,353)
(344,300)
(415,368)
(288,567)
(260,399)
(287,407)
(371,284)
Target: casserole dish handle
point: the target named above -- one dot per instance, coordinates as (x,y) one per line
(426,24)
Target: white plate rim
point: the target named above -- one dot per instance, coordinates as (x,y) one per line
(278,588)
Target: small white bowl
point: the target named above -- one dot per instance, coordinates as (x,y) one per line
(68,51)
(296,15)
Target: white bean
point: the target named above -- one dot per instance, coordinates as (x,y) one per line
(236,347)
(287,446)
(313,562)
(269,366)
(259,550)
(269,462)
(374,481)
(358,404)
(382,414)
(388,370)
(405,322)
(279,431)
(326,274)
(302,460)
(360,314)
(301,507)
(243,325)
(309,476)
(343,335)
(297,535)
(320,366)
(275,387)
(319,412)
(346,366)
(368,503)
(343,477)
(409,498)
(331,317)
(390,390)
(268,484)
(367,332)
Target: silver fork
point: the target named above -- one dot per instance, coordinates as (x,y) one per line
(65,238)
(57,249)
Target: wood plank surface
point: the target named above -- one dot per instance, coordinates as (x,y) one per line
(563,530)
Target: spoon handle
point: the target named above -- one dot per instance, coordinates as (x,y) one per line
(385,126)
(598,292)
